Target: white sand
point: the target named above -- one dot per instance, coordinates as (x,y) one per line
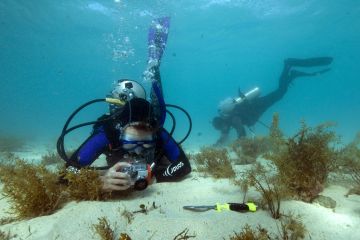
(74,221)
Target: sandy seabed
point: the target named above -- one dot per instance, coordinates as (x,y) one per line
(75,220)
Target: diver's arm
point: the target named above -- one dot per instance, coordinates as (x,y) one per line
(224,134)
(174,171)
(179,163)
(112,179)
(91,149)
(240,130)
(222,139)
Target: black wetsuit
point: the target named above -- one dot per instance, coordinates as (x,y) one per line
(249,111)
(170,160)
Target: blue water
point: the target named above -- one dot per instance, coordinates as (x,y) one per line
(56,55)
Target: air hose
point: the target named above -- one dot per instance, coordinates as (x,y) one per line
(60,142)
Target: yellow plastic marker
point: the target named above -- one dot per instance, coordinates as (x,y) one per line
(237,207)
(221,207)
(252,206)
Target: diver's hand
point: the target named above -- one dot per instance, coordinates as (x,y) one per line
(115,180)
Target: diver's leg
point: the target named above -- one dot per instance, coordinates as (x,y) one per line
(261,104)
(222,139)
(239,127)
(288,74)
(285,77)
(156,96)
(156,90)
(241,132)
(157,39)
(309,62)
(223,125)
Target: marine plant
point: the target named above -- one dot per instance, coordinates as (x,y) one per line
(7,220)
(103,229)
(276,137)
(124,236)
(244,186)
(51,158)
(304,160)
(145,209)
(290,228)
(85,185)
(32,188)
(269,186)
(35,190)
(183,235)
(247,233)
(349,159)
(6,236)
(249,149)
(215,162)
(7,158)
(129,216)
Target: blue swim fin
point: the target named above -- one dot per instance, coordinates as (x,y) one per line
(157,38)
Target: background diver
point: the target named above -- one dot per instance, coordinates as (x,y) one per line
(248,108)
(131,136)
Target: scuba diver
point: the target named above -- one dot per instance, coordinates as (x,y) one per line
(131,135)
(248,108)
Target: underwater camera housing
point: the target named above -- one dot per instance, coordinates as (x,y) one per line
(140,174)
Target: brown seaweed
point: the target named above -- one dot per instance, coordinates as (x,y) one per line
(7,220)
(215,162)
(6,236)
(249,149)
(7,158)
(291,228)
(349,160)
(305,160)
(124,236)
(103,229)
(271,189)
(85,185)
(183,235)
(247,233)
(33,189)
(129,216)
(51,158)
(106,232)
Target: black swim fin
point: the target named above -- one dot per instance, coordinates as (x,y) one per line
(309,62)
(295,73)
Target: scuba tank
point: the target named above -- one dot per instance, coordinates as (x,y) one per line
(227,105)
(254,93)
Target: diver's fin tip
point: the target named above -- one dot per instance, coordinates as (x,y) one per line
(309,62)
(157,37)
